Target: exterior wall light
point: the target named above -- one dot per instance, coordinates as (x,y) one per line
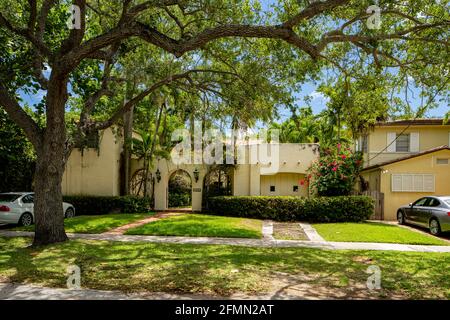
(158,175)
(196,174)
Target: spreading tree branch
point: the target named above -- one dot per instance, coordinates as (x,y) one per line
(20,117)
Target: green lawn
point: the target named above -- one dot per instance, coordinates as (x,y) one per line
(373,232)
(199,225)
(223,270)
(96,224)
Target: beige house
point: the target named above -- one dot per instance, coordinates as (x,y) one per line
(405,160)
(97,171)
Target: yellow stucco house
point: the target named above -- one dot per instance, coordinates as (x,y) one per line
(97,171)
(405,160)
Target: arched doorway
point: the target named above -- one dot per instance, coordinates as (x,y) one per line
(217,182)
(179,190)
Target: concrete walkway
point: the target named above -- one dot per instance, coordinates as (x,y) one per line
(246,242)
(311,233)
(15,291)
(267,230)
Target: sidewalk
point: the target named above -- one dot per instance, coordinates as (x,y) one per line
(15,291)
(246,242)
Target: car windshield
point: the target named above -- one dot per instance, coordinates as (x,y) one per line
(8,197)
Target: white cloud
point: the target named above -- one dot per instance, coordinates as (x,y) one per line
(315,95)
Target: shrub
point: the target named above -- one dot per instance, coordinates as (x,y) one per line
(179,200)
(335,173)
(283,208)
(93,205)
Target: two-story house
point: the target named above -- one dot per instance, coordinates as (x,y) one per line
(405,160)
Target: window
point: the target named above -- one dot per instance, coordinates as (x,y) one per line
(421,202)
(411,182)
(295,188)
(9,197)
(434,203)
(272,188)
(362,143)
(402,143)
(441,161)
(28,199)
(365,143)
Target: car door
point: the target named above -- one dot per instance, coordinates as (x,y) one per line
(426,213)
(416,210)
(28,203)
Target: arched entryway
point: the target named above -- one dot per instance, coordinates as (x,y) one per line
(217,182)
(179,190)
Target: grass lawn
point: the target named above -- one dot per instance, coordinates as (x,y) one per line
(373,232)
(199,225)
(96,224)
(223,270)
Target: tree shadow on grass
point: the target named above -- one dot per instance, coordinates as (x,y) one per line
(221,270)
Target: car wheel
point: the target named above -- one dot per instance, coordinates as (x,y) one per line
(400,217)
(435,227)
(26,219)
(69,213)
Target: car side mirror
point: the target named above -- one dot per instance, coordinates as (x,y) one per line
(410,204)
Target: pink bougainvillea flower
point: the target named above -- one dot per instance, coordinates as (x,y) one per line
(344,157)
(334,169)
(302,182)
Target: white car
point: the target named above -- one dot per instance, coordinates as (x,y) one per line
(18,208)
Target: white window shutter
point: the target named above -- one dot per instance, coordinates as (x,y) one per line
(418,182)
(428,183)
(396,182)
(414,142)
(407,182)
(391,141)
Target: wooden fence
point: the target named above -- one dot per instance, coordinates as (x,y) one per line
(379,204)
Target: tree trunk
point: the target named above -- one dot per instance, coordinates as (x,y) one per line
(48,209)
(127,136)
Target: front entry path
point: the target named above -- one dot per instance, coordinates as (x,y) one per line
(156,217)
(245,242)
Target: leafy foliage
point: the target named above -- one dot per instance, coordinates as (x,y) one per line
(335,173)
(17,159)
(180,190)
(94,205)
(284,208)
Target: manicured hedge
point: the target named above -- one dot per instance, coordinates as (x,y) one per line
(179,200)
(281,208)
(93,205)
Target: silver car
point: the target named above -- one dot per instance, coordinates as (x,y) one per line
(429,212)
(18,208)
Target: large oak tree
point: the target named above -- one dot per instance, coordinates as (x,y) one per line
(38,51)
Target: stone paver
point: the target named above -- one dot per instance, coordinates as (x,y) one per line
(156,217)
(311,233)
(246,242)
